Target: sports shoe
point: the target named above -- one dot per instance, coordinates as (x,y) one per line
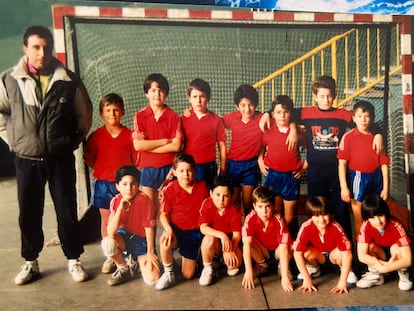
(314,271)
(352,278)
(133,265)
(261,270)
(28,273)
(77,271)
(207,276)
(108,266)
(404,283)
(166,280)
(119,277)
(232,271)
(370,279)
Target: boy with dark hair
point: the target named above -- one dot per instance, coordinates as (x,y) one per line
(203,130)
(180,202)
(108,148)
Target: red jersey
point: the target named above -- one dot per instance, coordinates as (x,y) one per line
(356,149)
(183,207)
(274,234)
(278,157)
(309,235)
(229,221)
(105,153)
(202,135)
(141,214)
(167,126)
(394,232)
(246,138)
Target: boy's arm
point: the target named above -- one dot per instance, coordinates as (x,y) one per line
(151,255)
(284,256)
(345,193)
(264,122)
(248,278)
(385,182)
(260,161)
(341,286)
(174,145)
(292,139)
(225,241)
(223,156)
(113,223)
(307,284)
(149,144)
(166,237)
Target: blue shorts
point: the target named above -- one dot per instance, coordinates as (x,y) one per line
(103,192)
(154,177)
(134,244)
(244,172)
(284,184)
(365,183)
(206,172)
(188,242)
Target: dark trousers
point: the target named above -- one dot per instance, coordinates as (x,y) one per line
(31,176)
(323,180)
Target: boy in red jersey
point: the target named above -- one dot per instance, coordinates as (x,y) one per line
(108,148)
(203,130)
(245,144)
(322,240)
(131,229)
(265,237)
(157,136)
(221,225)
(281,166)
(368,170)
(180,202)
(383,245)
(325,126)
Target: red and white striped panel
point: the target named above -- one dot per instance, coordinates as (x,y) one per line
(60,11)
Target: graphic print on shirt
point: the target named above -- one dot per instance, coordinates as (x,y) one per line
(325,139)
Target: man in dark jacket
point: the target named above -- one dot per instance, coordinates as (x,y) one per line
(45,112)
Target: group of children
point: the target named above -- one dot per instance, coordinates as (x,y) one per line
(167,172)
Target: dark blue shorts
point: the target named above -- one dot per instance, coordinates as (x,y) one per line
(244,172)
(154,177)
(206,172)
(134,244)
(103,192)
(284,184)
(188,242)
(365,183)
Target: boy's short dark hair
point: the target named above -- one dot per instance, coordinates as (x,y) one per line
(246,91)
(223,181)
(183,157)
(283,100)
(365,106)
(113,99)
(200,85)
(325,82)
(41,31)
(160,79)
(127,170)
(317,206)
(264,194)
(374,205)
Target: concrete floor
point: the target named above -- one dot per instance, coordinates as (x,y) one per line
(55,290)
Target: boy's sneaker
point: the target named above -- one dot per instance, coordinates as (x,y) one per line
(369,279)
(207,276)
(28,273)
(119,277)
(232,271)
(108,266)
(314,271)
(166,280)
(352,278)
(261,270)
(404,283)
(77,272)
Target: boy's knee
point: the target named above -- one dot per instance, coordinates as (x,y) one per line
(108,246)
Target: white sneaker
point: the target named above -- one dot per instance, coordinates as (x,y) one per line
(404,283)
(232,271)
(314,271)
(207,276)
(28,273)
(108,266)
(166,280)
(369,279)
(77,271)
(352,278)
